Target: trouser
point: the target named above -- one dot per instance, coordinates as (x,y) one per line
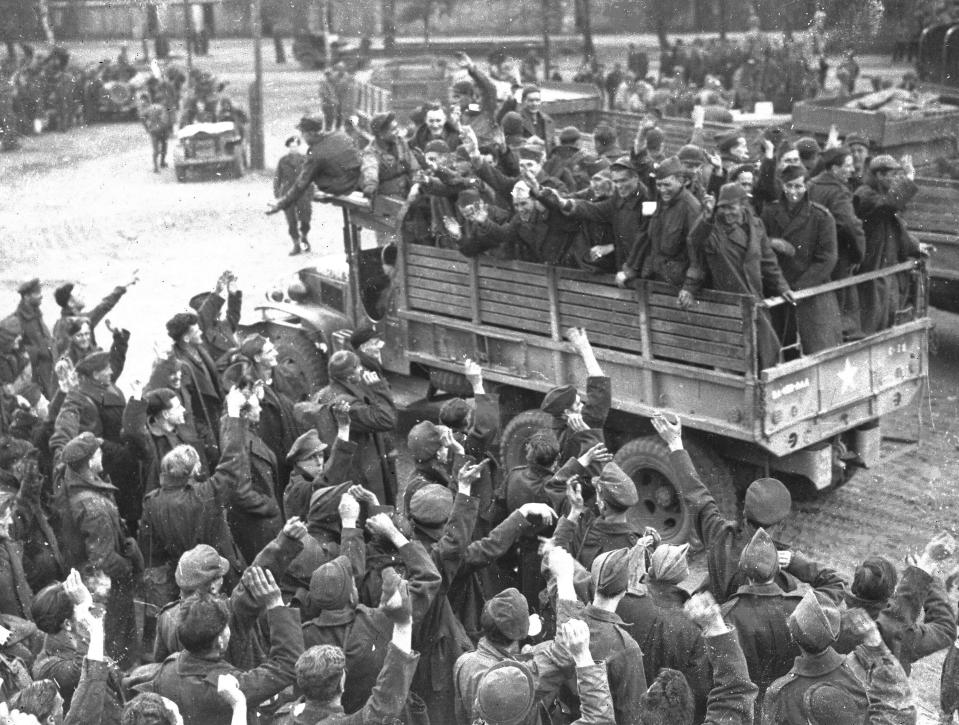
(159,144)
(298,216)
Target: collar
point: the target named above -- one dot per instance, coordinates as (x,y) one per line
(871,606)
(157,430)
(27,311)
(63,643)
(311,711)
(810,665)
(769,589)
(334,617)
(87,479)
(601,615)
(485,647)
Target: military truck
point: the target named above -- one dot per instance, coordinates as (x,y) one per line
(812,420)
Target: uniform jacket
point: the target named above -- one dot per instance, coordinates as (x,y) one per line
(254,511)
(158,442)
(288,168)
(467,673)
(482,120)
(93,701)
(733,696)
(305,481)
(595,410)
(202,383)
(93,316)
(372,419)
(39,344)
(665,241)
(62,660)
(888,242)
(332,165)
(624,215)
(546,237)
(191,680)
(592,536)
(827,189)
(387,169)
(450,135)
(219,336)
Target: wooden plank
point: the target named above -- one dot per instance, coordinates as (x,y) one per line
(425,284)
(690,357)
(629,338)
(572,306)
(427,250)
(454,278)
(697,332)
(499,285)
(677,314)
(418,260)
(515,323)
(519,301)
(657,299)
(536,314)
(687,343)
(515,276)
(439,305)
(595,289)
(474,290)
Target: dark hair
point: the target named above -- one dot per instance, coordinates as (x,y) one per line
(38,699)
(147,708)
(668,701)
(542,448)
(201,620)
(740,170)
(51,607)
(875,579)
(319,671)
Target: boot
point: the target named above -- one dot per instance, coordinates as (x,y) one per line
(305,243)
(296,247)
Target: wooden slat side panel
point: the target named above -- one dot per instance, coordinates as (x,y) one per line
(688,357)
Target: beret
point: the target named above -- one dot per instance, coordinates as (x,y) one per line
(512,124)
(691,152)
(731,193)
(509,612)
(200,565)
(463,87)
(158,400)
(569,135)
(94,362)
(833,156)
(381,122)
(62,294)
(177,325)
(654,138)
(436,146)
(431,504)
(728,140)
(30,286)
(668,564)
(884,162)
(330,584)
(314,122)
(610,572)
(12,450)
(759,559)
(455,412)
(468,197)
(767,501)
(80,448)
(669,167)
(10,329)
(424,441)
(530,88)
(559,399)
(306,445)
(504,695)
(814,623)
(807,146)
(623,162)
(616,488)
(791,173)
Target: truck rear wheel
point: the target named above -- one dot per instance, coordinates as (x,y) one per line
(513,439)
(301,367)
(661,505)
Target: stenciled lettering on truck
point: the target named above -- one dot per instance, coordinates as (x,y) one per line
(789,388)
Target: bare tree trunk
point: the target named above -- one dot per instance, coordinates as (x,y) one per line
(589,50)
(43,10)
(389,24)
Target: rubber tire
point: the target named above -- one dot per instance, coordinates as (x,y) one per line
(237,166)
(299,362)
(450,382)
(512,450)
(180,172)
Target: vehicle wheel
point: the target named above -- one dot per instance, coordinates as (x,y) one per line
(301,367)
(718,476)
(519,430)
(237,167)
(180,173)
(450,382)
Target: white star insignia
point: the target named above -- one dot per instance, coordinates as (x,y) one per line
(847,377)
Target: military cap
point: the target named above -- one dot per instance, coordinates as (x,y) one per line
(856,138)
(342,363)
(431,505)
(62,294)
(610,572)
(616,488)
(668,564)
(807,147)
(669,167)
(529,88)
(504,695)
(455,412)
(463,88)
(593,164)
(158,400)
(468,197)
(759,559)
(558,400)
(509,612)
(512,124)
(814,623)
(728,140)
(436,146)
(30,286)
(381,122)
(693,153)
(80,448)
(306,445)
(312,123)
(654,139)
(791,172)
(623,162)
(424,441)
(884,162)
(12,450)
(767,501)
(330,584)
(833,156)
(94,362)
(604,134)
(10,330)
(199,566)
(731,193)
(569,136)
(324,505)
(177,326)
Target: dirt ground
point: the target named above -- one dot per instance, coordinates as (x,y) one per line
(86,206)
